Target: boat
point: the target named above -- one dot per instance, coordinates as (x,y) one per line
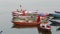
(57,12)
(58,29)
(30,18)
(45,26)
(55,15)
(24,17)
(1,32)
(55,23)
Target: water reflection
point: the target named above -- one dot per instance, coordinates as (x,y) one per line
(38,28)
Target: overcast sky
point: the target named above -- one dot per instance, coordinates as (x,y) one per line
(7,6)
(42,5)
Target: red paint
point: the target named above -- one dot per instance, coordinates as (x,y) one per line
(38,18)
(26,23)
(24,13)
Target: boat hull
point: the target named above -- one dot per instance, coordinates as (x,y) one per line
(55,15)
(27,24)
(57,12)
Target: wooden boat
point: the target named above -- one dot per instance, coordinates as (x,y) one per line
(38,20)
(45,26)
(22,18)
(58,29)
(55,15)
(43,31)
(27,23)
(55,23)
(57,12)
(25,18)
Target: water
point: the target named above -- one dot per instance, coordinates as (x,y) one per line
(10,5)
(7,27)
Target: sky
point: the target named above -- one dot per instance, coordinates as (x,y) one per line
(41,5)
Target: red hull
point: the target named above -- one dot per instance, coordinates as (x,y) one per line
(28,24)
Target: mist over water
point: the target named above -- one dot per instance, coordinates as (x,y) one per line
(7,6)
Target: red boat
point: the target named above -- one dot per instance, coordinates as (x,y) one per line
(25,18)
(45,26)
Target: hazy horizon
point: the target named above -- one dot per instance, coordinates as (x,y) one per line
(7,6)
(41,5)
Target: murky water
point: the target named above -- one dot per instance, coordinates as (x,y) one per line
(8,28)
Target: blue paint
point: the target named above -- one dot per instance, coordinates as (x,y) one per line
(42,14)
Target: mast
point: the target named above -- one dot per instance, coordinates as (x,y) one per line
(20,7)
(20,3)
